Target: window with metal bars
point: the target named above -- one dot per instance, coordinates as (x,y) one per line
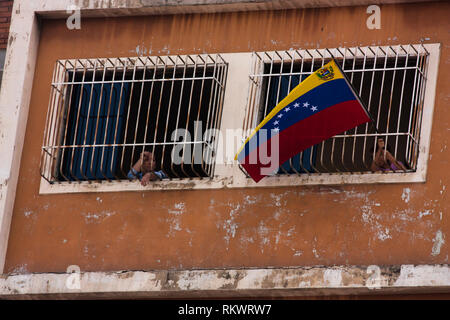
(104,113)
(390,81)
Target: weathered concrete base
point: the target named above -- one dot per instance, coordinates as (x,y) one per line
(286,282)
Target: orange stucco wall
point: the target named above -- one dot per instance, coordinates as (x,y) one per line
(291,226)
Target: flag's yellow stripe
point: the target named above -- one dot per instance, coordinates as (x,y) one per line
(311,82)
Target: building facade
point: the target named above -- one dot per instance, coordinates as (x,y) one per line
(323,224)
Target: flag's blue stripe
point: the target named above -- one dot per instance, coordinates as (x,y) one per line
(324,96)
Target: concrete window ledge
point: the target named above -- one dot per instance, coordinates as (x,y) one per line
(230,283)
(55,9)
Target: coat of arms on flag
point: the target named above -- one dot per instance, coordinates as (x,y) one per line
(321,106)
(325,73)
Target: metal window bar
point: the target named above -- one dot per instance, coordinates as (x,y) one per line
(391,81)
(103,113)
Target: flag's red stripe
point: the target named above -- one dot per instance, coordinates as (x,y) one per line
(308,132)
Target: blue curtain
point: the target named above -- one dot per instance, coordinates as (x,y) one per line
(85,158)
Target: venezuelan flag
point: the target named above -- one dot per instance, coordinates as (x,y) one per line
(321,106)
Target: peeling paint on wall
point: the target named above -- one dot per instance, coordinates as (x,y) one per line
(21,269)
(438,241)
(251,199)
(373,221)
(298,253)
(264,234)
(425,213)
(97,217)
(28,213)
(174,219)
(406,194)
(443,188)
(384,234)
(230,226)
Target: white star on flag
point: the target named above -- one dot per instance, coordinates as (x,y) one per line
(275,122)
(276,129)
(287,109)
(280,115)
(296,105)
(305,105)
(314,108)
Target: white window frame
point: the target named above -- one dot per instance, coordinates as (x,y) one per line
(229,175)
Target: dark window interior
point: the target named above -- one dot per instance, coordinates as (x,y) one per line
(139,112)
